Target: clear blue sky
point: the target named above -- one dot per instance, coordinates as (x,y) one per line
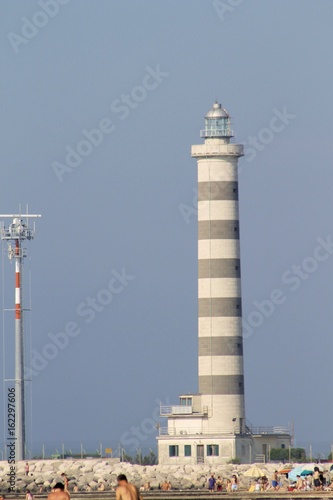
(120,206)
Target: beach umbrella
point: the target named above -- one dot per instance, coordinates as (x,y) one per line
(292,475)
(307,472)
(285,471)
(254,472)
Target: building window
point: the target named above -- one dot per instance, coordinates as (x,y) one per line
(187,450)
(283,446)
(212,450)
(185,401)
(174,450)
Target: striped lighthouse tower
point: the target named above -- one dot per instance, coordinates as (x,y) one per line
(221,375)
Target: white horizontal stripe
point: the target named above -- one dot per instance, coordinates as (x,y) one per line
(218,210)
(218,249)
(225,406)
(221,365)
(17,296)
(220,327)
(217,170)
(219,287)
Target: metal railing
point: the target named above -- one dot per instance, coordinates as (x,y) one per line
(270,430)
(17,233)
(258,429)
(216,133)
(187,431)
(172,431)
(174,410)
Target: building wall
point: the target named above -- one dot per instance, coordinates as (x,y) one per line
(248,449)
(228,447)
(263,443)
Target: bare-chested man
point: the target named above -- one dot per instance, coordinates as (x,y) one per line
(58,493)
(126,490)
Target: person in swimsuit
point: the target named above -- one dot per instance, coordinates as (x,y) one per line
(126,490)
(316,479)
(219,484)
(65,480)
(58,493)
(28,495)
(234,483)
(275,481)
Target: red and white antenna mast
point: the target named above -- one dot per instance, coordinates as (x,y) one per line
(18,231)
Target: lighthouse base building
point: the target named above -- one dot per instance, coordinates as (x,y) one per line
(210,427)
(189,438)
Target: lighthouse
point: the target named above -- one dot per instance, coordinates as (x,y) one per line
(210,426)
(220,357)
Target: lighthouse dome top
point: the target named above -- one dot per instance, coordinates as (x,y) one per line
(217,111)
(217,123)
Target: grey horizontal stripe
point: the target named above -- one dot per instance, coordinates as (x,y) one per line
(216,307)
(220,346)
(221,384)
(218,229)
(219,268)
(219,190)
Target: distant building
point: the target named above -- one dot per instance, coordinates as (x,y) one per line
(210,427)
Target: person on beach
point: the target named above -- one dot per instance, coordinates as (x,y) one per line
(65,480)
(234,483)
(28,495)
(322,479)
(126,490)
(27,469)
(211,483)
(316,479)
(166,486)
(307,483)
(228,486)
(146,486)
(58,493)
(299,483)
(275,481)
(219,483)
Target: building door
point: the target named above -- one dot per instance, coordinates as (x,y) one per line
(200,454)
(264,451)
